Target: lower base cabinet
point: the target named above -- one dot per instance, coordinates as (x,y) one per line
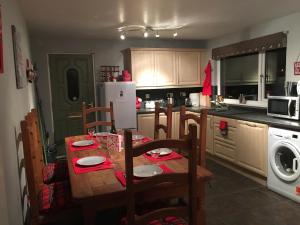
(252,146)
(225,144)
(245,144)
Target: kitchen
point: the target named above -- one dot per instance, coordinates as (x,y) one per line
(47,32)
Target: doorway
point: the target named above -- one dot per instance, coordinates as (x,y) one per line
(72,82)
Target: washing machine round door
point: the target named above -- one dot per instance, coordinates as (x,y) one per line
(284,160)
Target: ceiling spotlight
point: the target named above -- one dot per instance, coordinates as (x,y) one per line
(122,36)
(157,35)
(146,34)
(175,34)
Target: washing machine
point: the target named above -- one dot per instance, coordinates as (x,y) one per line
(284,163)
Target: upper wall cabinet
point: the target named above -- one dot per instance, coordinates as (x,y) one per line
(142,68)
(163,67)
(188,67)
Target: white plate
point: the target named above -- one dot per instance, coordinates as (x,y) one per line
(161,151)
(83,143)
(137,137)
(90,160)
(102,134)
(147,170)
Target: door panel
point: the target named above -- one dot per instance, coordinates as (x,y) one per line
(69,91)
(165,68)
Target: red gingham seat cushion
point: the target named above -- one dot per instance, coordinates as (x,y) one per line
(54,172)
(55,196)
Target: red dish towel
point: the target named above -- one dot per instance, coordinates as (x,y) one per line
(206,90)
(173,155)
(85,169)
(223,127)
(121,174)
(90,147)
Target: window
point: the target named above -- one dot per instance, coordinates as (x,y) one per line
(255,76)
(275,72)
(73,84)
(240,76)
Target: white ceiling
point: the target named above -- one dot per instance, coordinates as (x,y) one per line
(202,19)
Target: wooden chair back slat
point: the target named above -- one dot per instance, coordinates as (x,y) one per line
(36,148)
(33,189)
(201,120)
(86,111)
(173,180)
(157,126)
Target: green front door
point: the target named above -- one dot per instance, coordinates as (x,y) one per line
(72,82)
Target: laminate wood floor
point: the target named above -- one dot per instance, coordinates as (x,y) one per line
(234,199)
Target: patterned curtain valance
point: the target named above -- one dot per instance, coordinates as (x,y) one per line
(261,44)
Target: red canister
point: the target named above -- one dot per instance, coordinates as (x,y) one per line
(126,75)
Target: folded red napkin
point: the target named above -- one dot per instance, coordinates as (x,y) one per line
(90,147)
(85,169)
(173,155)
(121,174)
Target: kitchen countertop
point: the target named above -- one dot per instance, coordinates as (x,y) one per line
(251,115)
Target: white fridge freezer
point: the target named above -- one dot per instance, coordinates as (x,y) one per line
(123,96)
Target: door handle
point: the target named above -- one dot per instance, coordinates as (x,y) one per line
(295,164)
(75,115)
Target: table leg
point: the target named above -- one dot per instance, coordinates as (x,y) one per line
(89,215)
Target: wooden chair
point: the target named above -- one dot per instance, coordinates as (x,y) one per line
(201,121)
(188,179)
(157,126)
(41,195)
(86,111)
(44,173)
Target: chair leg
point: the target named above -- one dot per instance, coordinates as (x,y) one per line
(89,215)
(201,219)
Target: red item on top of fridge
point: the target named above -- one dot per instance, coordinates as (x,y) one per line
(126,75)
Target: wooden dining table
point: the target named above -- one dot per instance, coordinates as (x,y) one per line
(99,190)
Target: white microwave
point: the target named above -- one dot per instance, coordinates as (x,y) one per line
(283,107)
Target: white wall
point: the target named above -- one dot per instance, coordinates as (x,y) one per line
(15,103)
(106,52)
(289,23)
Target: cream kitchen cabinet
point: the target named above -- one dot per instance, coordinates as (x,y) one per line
(175,124)
(163,67)
(252,146)
(143,68)
(225,145)
(146,125)
(188,67)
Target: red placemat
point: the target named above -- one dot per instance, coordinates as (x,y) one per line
(121,174)
(171,156)
(85,169)
(90,147)
(144,140)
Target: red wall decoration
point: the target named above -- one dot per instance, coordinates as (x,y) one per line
(297,68)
